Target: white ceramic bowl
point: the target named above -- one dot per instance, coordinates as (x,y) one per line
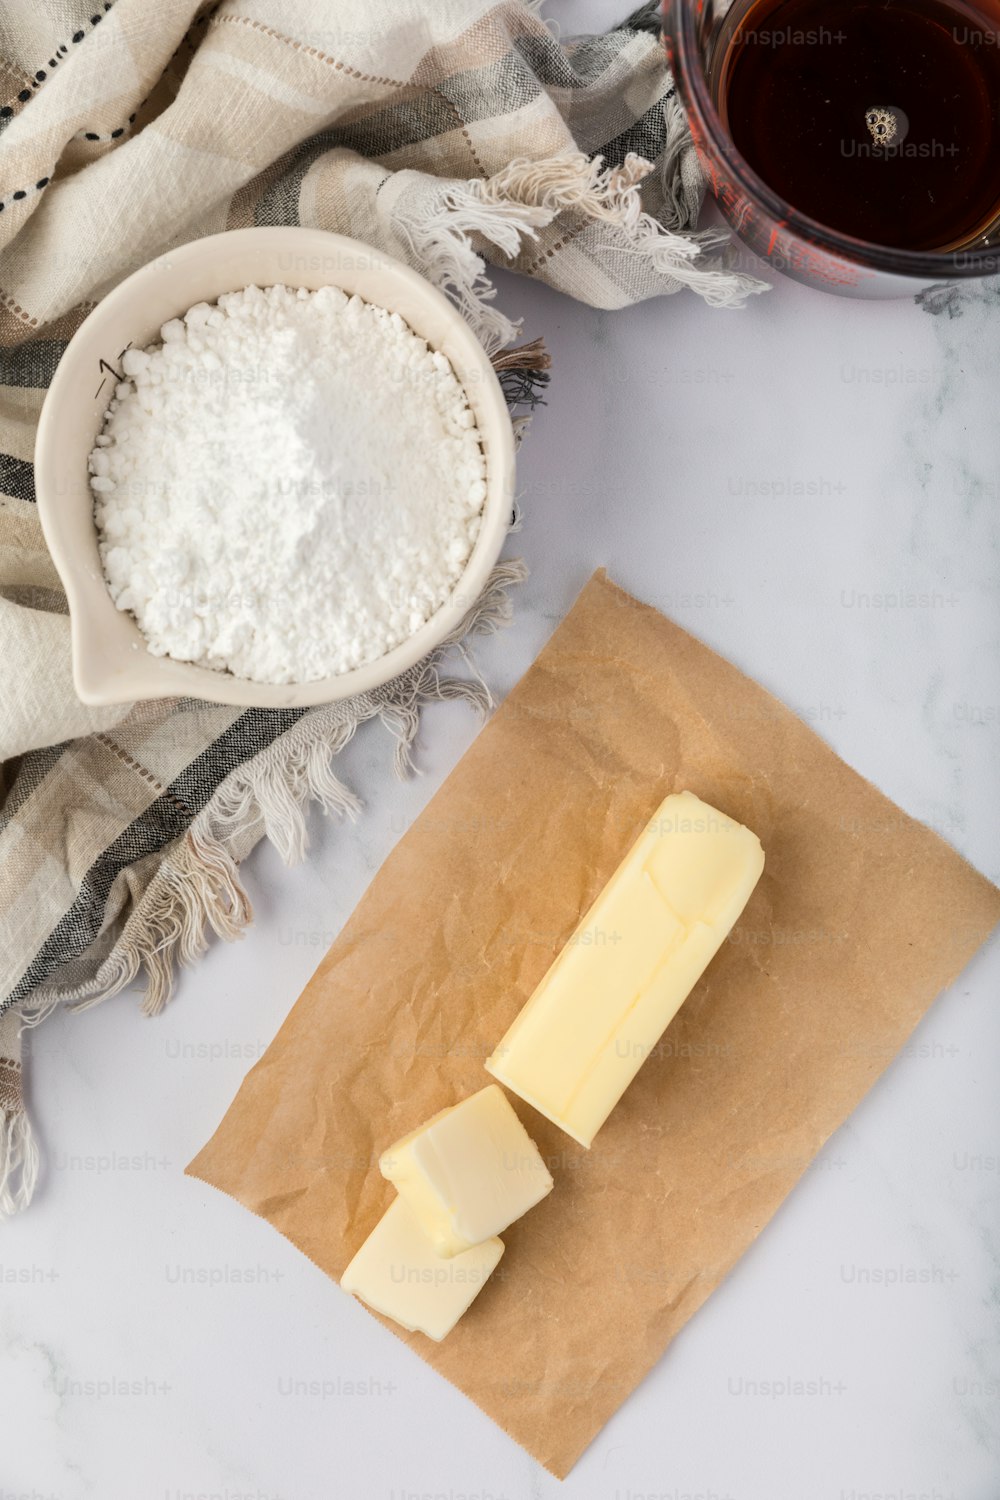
(110,661)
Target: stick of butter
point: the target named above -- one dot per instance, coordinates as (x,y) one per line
(398,1273)
(644,944)
(469,1172)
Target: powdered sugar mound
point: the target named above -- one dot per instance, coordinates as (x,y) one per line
(286,487)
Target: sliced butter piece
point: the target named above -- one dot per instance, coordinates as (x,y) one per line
(468,1172)
(398,1273)
(643,945)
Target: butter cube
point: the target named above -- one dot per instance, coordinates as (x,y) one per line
(469,1172)
(398,1273)
(639,951)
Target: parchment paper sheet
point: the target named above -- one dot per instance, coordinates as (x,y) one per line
(862,916)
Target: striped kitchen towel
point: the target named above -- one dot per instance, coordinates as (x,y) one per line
(450,133)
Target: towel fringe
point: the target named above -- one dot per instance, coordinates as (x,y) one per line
(18,1162)
(509,209)
(197,889)
(437,234)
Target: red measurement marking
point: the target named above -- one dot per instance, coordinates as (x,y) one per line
(774,238)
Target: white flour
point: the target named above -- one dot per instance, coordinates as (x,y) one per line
(288,486)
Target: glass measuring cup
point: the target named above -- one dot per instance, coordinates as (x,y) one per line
(695,34)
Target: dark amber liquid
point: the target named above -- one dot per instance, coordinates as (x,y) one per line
(796,78)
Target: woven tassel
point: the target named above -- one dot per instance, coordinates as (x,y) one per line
(18,1163)
(18,1151)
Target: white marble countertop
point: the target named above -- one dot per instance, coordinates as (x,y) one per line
(812,486)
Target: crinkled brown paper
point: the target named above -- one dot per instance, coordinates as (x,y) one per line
(862,916)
